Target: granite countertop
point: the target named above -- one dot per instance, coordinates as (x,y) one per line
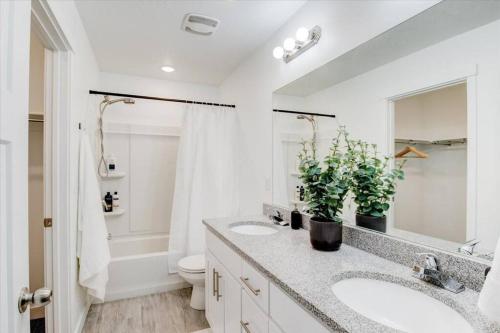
(306,275)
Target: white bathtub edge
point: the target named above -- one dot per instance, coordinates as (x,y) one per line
(176,282)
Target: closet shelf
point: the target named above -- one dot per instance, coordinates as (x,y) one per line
(113,175)
(116,212)
(446,142)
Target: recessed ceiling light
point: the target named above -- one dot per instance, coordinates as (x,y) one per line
(168,69)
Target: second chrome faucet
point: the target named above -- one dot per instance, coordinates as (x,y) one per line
(431,273)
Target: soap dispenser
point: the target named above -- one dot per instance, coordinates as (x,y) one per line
(296,219)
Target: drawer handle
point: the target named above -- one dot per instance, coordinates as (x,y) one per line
(213,282)
(218,296)
(245,324)
(256,292)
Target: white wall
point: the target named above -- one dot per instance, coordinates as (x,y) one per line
(37,68)
(84,76)
(345,25)
(362,105)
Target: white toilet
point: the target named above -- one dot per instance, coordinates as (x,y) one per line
(192,269)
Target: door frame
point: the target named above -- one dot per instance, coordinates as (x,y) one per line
(57,128)
(470,80)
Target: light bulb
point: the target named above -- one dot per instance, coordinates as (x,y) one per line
(278,52)
(289,44)
(302,34)
(168,69)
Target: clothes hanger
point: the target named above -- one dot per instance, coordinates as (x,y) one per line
(410,149)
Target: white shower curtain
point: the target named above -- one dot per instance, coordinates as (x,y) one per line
(206,177)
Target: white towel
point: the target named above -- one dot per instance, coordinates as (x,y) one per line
(92,248)
(489,298)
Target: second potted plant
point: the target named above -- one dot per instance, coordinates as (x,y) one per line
(372,184)
(326,187)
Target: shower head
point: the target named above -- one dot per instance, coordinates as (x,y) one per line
(109,101)
(308,118)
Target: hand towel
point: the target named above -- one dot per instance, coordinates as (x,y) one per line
(92,248)
(489,298)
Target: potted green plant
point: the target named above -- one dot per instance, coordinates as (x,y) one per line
(326,185)
(373,185)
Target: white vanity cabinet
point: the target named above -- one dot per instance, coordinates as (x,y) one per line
(240,299)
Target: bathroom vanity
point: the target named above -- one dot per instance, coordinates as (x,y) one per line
(241,297)
(260,280)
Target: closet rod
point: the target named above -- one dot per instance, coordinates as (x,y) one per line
(305,113)
(95,92)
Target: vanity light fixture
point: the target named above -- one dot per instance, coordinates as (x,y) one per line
(292,48)
(168,69)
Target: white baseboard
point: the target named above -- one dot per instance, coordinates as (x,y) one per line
(81,320)
(174,284)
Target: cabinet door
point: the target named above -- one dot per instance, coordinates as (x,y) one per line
(273,328)
(232,302)
(214,303)
(253,319)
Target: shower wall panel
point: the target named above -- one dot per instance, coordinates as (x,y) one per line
(147,155)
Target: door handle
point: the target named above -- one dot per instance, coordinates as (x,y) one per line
(256,292)
(218,296)
(245,324)
(39,298)
(213,282)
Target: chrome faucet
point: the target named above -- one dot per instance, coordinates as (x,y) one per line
(275,216)
(431,273)
(468,247)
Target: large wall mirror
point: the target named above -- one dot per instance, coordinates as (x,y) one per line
(426,92)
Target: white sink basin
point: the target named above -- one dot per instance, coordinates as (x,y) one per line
(399,307)
(253,229)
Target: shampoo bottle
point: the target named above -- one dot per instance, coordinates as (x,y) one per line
(108,199)
(116,200)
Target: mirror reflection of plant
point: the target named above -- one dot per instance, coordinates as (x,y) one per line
(326,186)
(372,184)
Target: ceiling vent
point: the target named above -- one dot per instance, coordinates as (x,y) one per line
(199,24)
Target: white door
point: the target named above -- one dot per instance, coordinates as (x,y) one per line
(15,19)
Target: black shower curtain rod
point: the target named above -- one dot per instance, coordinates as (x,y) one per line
(305,113)
(95,92)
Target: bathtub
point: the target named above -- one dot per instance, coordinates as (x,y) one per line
(139,266)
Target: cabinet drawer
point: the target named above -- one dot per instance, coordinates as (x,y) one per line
(289,315)
(256,285)
(253,320)
(273,328)
(226,256)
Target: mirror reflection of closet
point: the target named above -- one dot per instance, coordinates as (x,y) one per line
(432,201)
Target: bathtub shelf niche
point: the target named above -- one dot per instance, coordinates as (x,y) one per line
(113,175)
(116,212)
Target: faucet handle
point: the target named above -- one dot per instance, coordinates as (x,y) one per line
(468,247)
(431,261)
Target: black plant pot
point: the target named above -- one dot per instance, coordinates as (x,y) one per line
(326,235)
(371,222)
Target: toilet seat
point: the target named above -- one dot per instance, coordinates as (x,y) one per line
(192,264)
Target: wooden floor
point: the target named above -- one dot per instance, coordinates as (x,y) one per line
(160,313)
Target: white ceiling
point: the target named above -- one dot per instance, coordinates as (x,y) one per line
(138,37)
